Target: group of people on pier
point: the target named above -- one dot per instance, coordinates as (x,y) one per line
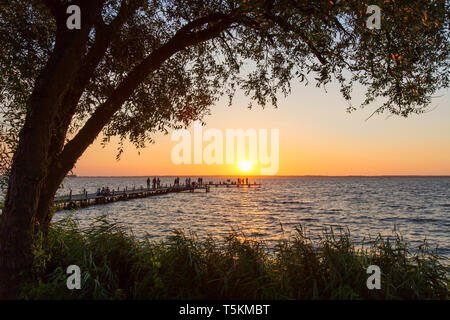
(156,183)
(242,181)
(103,192)
(239,181)
(188,181)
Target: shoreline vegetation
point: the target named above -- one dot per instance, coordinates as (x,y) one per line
(116,265)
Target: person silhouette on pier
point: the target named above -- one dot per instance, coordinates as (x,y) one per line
(148,183)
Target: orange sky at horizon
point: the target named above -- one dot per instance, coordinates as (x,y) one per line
(317,137)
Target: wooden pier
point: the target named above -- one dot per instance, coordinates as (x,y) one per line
(88,199)
(239,185)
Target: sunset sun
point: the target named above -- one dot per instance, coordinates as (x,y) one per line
(245,166)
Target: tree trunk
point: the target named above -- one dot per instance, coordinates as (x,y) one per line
(35,177)
(44,212)
(30,190)
(55,174)
(34,180)
(18,221)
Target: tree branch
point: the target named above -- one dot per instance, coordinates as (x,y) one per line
(287,28)
(213,17)
(93,126)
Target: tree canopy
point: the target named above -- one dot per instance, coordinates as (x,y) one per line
(258,46)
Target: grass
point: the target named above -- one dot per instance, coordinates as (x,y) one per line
(115,265)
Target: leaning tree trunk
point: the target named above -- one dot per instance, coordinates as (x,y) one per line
(30,185)
(34,180)
(29,173)
(35,177)
(55,172)
(44,211)
(18,220)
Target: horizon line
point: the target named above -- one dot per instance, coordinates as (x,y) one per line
(259,176)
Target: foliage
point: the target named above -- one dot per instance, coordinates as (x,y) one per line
(26,43)
(115,265)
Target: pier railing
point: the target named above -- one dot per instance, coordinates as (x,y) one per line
(85,199)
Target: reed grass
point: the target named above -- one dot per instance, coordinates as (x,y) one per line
(116,265)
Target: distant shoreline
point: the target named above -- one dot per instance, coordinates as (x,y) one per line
(269,177)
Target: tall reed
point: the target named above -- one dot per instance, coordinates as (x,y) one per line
(116,265)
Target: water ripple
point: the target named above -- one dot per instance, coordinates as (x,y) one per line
(418,207)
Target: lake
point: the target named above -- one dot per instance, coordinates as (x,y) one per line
(417,207)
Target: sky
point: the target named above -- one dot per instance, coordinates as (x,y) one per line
(316,137)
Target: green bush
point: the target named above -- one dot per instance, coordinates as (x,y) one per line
(115,265)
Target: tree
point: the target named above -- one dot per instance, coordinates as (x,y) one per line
(137,67)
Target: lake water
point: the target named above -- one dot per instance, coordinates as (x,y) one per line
(417,207)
